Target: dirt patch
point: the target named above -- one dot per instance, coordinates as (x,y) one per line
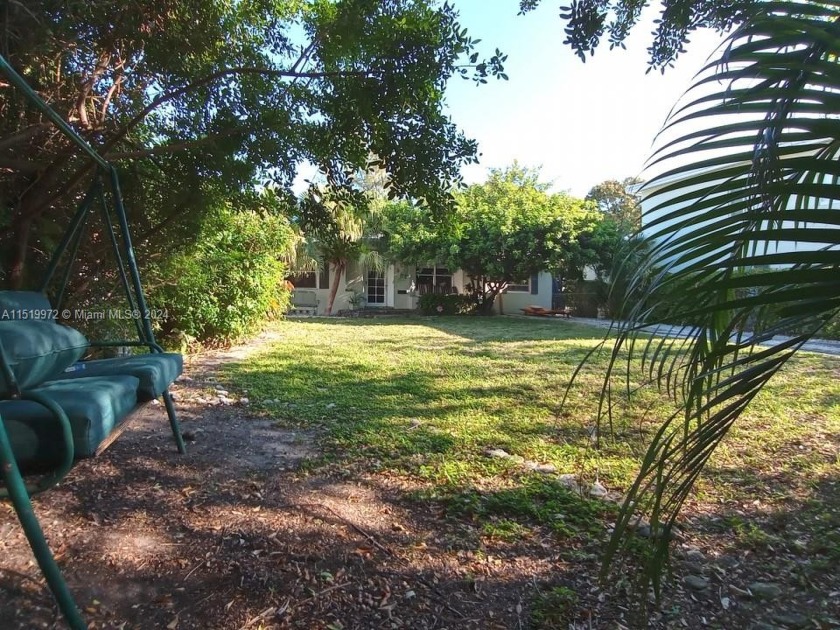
(236,535)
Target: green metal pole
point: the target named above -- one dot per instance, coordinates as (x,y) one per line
(80,215)
(106,217)
(141,300)
(129,254)
(35,535)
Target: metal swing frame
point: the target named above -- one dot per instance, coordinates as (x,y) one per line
(16,489)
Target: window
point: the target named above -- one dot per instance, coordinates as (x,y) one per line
(434,280)
(312,280)
(519,286)
(376,287)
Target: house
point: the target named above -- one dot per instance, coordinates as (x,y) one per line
(400,287)
(667,194)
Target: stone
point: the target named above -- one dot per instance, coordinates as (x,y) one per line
(765,590)
(497,453)
(597,490)
(792,619)
(331,406)
(244,401)
(695,555)
(696,582)
(569,481)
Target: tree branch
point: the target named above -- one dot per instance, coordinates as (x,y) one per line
(170,148)
(210,78)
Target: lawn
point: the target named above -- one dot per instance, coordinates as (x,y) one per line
(424,400)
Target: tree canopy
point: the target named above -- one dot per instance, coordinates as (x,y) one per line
(203,99)
(619,200)
(502,232)
(588,21)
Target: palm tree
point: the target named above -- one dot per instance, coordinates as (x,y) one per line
(338,232)
(744,216)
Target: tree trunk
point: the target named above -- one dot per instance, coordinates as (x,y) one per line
(339,273)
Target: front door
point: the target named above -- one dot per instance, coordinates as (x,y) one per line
(376,288)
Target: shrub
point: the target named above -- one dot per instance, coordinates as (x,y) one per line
(450,304)
(228,282)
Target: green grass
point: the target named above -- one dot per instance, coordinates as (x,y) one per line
(428,396)
(425,398)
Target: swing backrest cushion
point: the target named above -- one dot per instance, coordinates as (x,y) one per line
(25,305)
(36,348)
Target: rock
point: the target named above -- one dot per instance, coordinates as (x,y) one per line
(728,562)
(597,490)
(244,401)
(696,582)
(765,590)
(497,453)
(694,555)
(569,481)
(545,469)
(331,406)
(184,379)
(221,392)
(693,567)
(792,620)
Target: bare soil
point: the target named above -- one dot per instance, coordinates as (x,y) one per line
(239,533)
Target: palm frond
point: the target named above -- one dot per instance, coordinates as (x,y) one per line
(741,243)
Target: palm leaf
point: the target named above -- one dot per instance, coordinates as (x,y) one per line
(741,243)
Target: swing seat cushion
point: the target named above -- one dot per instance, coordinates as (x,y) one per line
(38,350)
(155,371)
(95,407)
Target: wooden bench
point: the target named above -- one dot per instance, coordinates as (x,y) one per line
(539,311)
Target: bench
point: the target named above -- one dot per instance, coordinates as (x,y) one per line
(56,409)
(304,303)
(539,311)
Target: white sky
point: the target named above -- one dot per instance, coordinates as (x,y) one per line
(583,123)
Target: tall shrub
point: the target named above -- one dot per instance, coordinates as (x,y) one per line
(228,282)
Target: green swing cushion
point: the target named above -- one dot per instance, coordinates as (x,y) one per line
(156,371)
(38,350)
(25,305)
(94,406)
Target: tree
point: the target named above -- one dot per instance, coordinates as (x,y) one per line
(336,233)
(198,101)
(502,231)
(619,200)
(587,21)
(744,219)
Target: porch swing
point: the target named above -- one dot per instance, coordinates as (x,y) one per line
(54,408)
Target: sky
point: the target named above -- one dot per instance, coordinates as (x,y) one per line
(582,122)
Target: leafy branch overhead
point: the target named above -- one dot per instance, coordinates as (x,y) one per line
(588,21)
